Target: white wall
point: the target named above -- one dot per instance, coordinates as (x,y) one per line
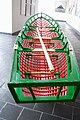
(11,20)
(6,16)
(48,7)
(74,21)
(60,16)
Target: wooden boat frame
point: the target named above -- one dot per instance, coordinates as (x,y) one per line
(16,83)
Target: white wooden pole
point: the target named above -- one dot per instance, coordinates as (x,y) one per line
(51,68)
(40,72)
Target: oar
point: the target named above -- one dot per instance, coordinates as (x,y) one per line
(51,68)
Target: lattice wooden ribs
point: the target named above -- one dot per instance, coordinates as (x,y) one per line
(44,66)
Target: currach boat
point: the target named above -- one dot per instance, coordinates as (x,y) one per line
(44,66)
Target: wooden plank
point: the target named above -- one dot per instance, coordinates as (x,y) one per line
(40,50)
(51,68)
(47,38)
(40,54)
(34,72)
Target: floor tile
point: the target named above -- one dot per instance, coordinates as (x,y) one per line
(49,117)
(65,119)
(29,115)
(44,107)
(8,97)
(10,112)
(2,119)
(76,114)
(78,97)
(74,104)
(2,92)
(64,111)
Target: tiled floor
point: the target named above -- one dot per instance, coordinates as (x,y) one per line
(9,110)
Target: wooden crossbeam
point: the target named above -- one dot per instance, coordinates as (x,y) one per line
(40,50)
(46,38)
(34,72)
(40,54)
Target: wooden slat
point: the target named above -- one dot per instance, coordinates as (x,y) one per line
(47,38)
(40,50)
(40,54)
(34,72)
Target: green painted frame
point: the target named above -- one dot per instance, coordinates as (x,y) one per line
(16,83)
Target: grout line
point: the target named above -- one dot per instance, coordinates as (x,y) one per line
(12,104)
(24,107)
(61,117)
(53,109)
(35,110)
(15,105)
(20,107)
(72,106)
(32,110)
(2,84)
(65,119)
(3,106)
(34,106)
(57,116)
(72,111)
(63,103)
(41,116)
(20,114)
